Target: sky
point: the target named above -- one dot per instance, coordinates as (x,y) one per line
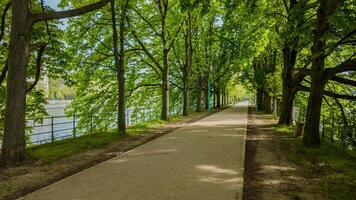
(52,3)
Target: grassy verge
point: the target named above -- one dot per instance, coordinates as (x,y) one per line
(335,167)
(51,152)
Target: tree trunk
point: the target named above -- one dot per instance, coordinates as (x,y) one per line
(311,129)
(165,70)
(165,90)
(218,98)
(214,99)
(259,99)
(13,146)
(288,88)
(198,101)
(288,96)
(311,136)
(186,98)
(267,103)
(119,63)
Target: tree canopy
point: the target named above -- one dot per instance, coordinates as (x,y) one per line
(160,55)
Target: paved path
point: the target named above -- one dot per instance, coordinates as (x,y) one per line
(201,161)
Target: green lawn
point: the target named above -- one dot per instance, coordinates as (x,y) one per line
(334,166)
(60,149)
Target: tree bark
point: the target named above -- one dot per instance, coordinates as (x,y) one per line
(218,98)
(186,98)
(311,136)
(13,146)
(198,101)
(119,57)
(288,88)
(267,102)
(288,96)
(259,99)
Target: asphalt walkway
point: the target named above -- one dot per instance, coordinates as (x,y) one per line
(201,161)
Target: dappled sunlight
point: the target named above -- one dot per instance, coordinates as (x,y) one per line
(272,182)
(275,167)
(172,138)
(229,135)
(235,129)
(121,160)
(216,170)
(152,152)
(197,131)
(228,178)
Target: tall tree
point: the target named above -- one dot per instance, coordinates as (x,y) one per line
(13,147)
(119,56)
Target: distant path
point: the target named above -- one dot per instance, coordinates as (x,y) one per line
(201,161)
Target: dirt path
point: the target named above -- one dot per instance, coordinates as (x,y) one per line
(203,160)
(268,174)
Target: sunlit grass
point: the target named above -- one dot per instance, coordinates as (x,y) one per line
(64,148)
(334,165)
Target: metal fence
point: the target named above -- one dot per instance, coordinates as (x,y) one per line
(55,128)
(332,128)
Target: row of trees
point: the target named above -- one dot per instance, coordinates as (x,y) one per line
(315,43)
(161,54)
(116,55)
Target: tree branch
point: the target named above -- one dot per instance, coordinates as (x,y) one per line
(149,23)
(343,81)
(329,93)
(50,15)
(133,32)
(4,71)
(38,67)
(177,32)
(3,19)
(143,85)
(348,65)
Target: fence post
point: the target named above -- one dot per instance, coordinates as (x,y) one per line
(52,130)
(74,125)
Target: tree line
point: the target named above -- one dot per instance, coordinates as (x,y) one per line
(161,55)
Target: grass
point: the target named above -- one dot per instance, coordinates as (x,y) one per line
(335,167)
(51,152)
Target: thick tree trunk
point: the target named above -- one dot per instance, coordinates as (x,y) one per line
(288,96)
(206,93)
(218,98)
(119,63)
(122,100)
(165,90)
(198,101)
(259,99)
(165,69)
(288,87)
(214,99)
(186,98)
(13,146)
(311,129)
(311,135)
(267,103)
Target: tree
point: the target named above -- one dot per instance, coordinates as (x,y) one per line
(13,147)
(120,62)
(319,73)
